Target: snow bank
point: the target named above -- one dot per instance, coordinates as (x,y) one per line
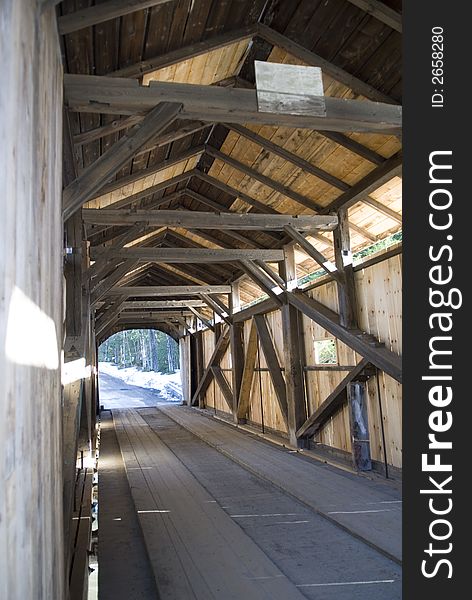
(169,386)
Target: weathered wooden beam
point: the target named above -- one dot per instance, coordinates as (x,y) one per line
(223,314)
(315,254)
(380,11)
(202,318)
(248,373)
(191,219)
(106,284)
(272,360)
(218,353)
(223,385)
(99,13)
(169,290)
(186,52)
(99,270)
(359,341)
(294,378)
(346,285)
(111,95)
(312,59)
(332,404)
(368,184)
(154,314)
(261,280)
(271,273)
(93,177)
(237,363)
(187,255)
(151,304)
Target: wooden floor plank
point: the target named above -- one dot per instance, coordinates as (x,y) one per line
(195,548)
(370,510)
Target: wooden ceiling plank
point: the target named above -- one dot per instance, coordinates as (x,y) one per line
(299,162)
(310,58)
(186,52)
(101,13)
(381,11)
(267,181)
(143,173)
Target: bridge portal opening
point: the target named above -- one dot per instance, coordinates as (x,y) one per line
(138,368)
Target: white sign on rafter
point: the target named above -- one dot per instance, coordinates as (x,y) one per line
(291,89)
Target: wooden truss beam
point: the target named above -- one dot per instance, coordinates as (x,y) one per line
(186,52)
(187,255)
(154,314)
(110,315)
(380,11)
(202,318)
(315,254)
(261,280)
(332,404)
(218,353)
(310,58)
(111,95)
(169,290)
(364,344)
(221,312)
(153,304)
(272,360)
(104,168)
(106,284)
(102,12)
(368,184)
(248,373)
(223,384)
(191,219)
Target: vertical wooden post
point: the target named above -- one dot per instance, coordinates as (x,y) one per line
(184,353)
(237,349)
(357,394)
(73,275)
(296,404)
(343,258)
(200,366)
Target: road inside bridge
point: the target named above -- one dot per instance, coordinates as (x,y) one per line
(201,510)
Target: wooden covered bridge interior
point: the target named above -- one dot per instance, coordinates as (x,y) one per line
(144,187)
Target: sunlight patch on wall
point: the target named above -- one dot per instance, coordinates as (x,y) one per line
(31,338)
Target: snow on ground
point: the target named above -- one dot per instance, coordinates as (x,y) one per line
(169,386)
